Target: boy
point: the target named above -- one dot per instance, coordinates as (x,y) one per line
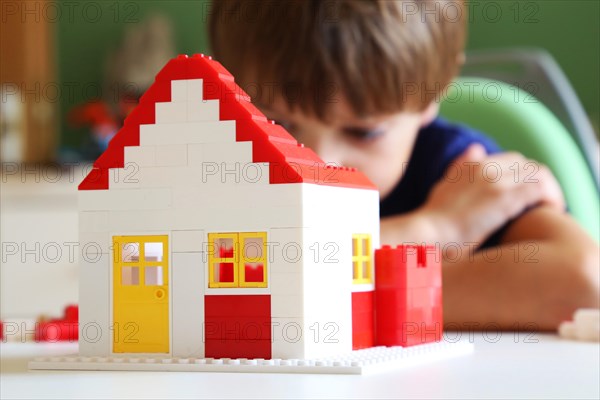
(359,82)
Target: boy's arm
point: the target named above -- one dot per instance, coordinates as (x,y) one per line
(471,206)
(545,268)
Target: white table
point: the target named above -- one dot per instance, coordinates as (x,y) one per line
(504,365)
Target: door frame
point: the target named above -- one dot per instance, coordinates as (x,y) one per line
(111,288)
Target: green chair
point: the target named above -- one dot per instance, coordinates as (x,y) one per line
(517,121)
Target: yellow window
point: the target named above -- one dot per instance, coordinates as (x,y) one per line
(237,259)
(361,259)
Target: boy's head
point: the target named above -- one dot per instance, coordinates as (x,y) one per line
(352,79)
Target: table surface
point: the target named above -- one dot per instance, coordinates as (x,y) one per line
(503,365)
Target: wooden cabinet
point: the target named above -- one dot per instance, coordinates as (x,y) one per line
(28,85)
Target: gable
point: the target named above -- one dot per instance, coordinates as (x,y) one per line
(200,79)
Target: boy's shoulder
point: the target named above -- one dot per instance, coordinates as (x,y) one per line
(447,141)
(436,147)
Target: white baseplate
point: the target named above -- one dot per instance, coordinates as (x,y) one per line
(367,361)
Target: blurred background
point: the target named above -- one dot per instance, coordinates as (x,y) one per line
(72,70)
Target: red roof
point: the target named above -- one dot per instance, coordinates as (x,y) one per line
(289,161)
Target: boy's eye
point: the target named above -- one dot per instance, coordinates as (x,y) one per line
(364,134)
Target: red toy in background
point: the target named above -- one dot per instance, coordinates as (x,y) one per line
(59,329)
(102,119)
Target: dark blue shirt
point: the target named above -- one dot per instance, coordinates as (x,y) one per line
(436,147)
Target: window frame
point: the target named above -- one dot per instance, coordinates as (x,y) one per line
(238,260)
(141,263)
(360,258)
(242,259)
(213,258)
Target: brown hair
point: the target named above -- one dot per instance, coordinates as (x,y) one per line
(381,56)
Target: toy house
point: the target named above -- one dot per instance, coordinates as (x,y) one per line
(218,235)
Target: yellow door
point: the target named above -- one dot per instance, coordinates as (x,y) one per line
(140,294)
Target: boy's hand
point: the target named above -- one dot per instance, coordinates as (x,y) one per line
(480,193)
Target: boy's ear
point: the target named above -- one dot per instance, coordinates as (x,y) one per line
(430,113)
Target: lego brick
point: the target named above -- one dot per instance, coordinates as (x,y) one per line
(238,306)
(188,133)
(140,220)
(227,91)
(415,330)
(195,90)
(363,287)
(56,331)
(93,221)
(175,69)
(425,297)
(96,179)
(204,110)
(94,243)
(239,219)
(59,329)
(391,265)
(113,157)
(159,91)
(259,131)
(123,199)
(190,241)
(393,298)
(408,308)
(255,175)
(234,110)
(238,325)
(409,327)
(366,361)
(187,281)
(233,172)
(94,301)
(235,291)
(289,337)
(363,328)
(141,156)
(287,306)
(167,113)
(179,91)
(310,337)
(270,195)
(197,197)
(125,178)
(194,155)
(326,203)
(257,349)
(328,336)
(233,328)
(171,155)
(236,152)
(170,177)
(286,283)
(201,66)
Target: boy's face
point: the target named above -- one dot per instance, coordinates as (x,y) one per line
(379,146)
